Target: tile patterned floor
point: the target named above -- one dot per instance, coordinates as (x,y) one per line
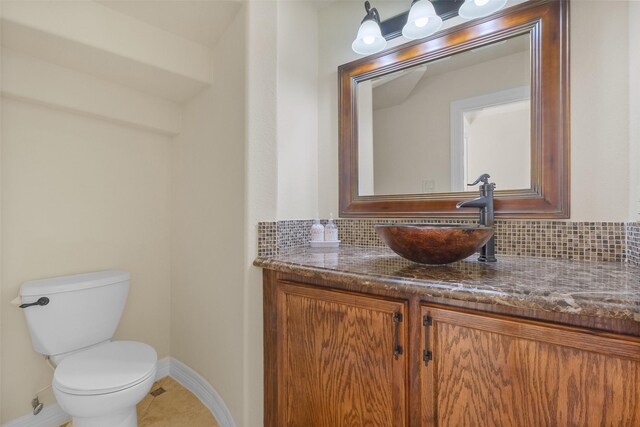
(176,407)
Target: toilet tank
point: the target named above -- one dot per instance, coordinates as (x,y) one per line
(83,309)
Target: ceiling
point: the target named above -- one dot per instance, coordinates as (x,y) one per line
(201,21)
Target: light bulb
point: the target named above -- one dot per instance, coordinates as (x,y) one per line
(421,22)
(368,39)
(480,2)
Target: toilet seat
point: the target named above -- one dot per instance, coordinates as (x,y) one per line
(106,368)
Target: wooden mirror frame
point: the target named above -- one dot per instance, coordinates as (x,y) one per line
(547,21)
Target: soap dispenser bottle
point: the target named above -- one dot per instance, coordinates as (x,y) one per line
(317,231)
(330,231)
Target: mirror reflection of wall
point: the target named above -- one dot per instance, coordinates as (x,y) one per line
(434,127)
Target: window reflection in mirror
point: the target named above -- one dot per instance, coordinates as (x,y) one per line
(434,127)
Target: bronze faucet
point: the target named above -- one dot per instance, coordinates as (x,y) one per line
(485,204)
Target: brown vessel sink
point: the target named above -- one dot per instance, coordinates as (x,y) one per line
(434,243)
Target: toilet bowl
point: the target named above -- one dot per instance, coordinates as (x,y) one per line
(102,385)
(98,382)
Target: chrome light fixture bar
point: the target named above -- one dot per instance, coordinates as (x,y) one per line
(423,19)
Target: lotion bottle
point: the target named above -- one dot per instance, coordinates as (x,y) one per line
(330,231)
(317,231)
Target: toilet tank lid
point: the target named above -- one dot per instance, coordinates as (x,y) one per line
(74,282)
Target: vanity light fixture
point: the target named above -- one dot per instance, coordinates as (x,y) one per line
(422,20)
(369,39)
(472,9)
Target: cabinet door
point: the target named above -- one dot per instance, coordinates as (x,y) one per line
(340,359)
(498,371)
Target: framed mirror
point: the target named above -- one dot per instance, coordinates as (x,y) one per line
(420,121)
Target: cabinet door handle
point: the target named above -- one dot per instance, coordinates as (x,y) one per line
(426,354)
(397,348)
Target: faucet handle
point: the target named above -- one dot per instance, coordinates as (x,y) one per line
(484,178)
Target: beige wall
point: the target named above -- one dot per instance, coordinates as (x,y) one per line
(634,111)
(297,109)
(599,111)
(89,37)
(79,195)
(207,227)
(261,190)
(30,78)
(1,234)
(600,172)
(281,151)
(337,26)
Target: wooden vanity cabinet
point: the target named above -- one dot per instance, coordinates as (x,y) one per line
(335,358)
(338,358)
(488,370)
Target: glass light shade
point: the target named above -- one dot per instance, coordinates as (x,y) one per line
(422,21)
(369,39)
(472,9)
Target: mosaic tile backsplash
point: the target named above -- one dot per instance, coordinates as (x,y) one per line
(633,243)
(593,241)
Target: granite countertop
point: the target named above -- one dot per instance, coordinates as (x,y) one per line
(599,289)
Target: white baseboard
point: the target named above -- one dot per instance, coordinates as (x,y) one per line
(197,385)
(54,416)
(50,416)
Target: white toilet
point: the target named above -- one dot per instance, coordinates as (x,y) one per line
(97,381)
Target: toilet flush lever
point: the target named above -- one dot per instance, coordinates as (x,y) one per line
(41,301)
